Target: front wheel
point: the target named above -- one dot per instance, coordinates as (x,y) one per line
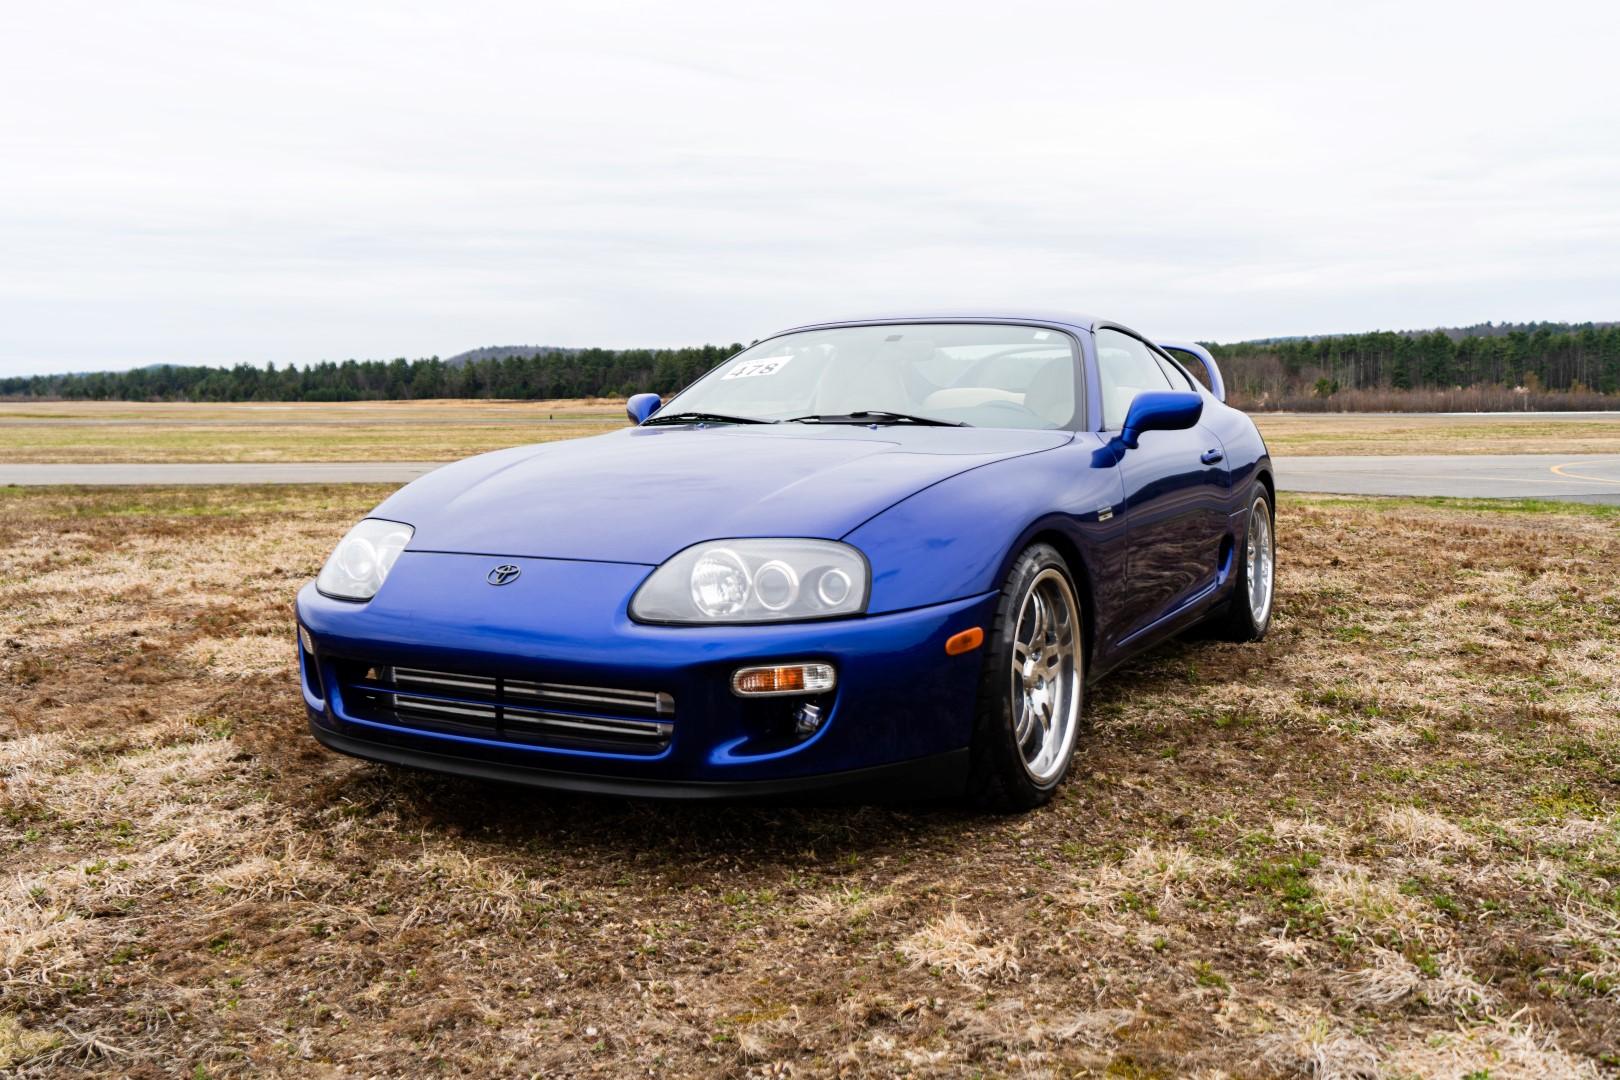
(1248,613)
(1031,691)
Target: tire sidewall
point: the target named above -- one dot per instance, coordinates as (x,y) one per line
(1258,629)
(995,748)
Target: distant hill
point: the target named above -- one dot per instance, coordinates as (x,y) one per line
(1489,330)
(507,352)
(1455,333)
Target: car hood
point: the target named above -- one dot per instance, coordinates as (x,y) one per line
(642,494)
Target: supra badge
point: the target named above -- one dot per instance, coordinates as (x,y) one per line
(504,574)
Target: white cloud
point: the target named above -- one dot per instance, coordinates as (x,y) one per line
(209,182)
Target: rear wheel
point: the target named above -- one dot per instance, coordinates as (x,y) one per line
(1032,689)
(1248,613)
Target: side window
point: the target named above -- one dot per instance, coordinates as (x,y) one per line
(1126,367)
(1179,379)
(1194,364)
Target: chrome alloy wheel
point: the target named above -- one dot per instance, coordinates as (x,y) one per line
(1046,672)
(1262,559)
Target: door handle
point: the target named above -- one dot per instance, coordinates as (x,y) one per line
(1212,457)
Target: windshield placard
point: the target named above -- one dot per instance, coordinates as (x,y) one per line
(765,365)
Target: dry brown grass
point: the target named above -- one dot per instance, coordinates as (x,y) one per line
(1461,433)
(1386,842)
(86,432)
(964,947)
(307,411)
(115,431)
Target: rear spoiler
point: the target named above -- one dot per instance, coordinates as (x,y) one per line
(1195,351)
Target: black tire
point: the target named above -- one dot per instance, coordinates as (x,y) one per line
(999,778)
(1238,621)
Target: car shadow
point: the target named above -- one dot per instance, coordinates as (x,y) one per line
(751,833)
(758,833)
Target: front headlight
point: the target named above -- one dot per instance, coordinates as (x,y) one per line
(751,581)
(363,558)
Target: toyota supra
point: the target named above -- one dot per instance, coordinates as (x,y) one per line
(883,556)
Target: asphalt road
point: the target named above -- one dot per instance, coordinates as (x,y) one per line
(1593,478)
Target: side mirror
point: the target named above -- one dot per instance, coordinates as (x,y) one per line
(641,406)
(1160,410)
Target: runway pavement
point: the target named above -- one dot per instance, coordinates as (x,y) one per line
(1593,478)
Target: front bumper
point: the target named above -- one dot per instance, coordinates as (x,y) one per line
(900,716)
(917,778)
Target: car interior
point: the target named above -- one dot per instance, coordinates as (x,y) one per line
(983,376)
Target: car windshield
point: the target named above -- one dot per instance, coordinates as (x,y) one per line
(983,375)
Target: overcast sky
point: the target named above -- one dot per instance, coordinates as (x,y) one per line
(214,182)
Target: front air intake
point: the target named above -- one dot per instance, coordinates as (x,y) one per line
(607,719)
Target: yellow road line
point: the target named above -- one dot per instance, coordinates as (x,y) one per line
(1476,476)
(1559,469)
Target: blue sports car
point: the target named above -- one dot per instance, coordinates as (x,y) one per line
(883,554)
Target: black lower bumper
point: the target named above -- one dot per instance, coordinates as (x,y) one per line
(940,775)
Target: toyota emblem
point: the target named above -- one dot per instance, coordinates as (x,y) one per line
(504,574)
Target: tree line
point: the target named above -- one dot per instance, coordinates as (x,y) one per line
(1581,360)
(572,373)
(1578,365)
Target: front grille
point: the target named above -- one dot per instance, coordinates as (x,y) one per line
(511,710)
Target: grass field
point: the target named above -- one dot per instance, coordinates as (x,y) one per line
(86,432)
(1385,840)
(1408,433)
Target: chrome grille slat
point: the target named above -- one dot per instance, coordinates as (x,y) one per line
(635,721)
(636,729)
(476,712)
(416,677)
(647,700)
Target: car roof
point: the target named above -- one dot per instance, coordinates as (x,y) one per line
(1054,318)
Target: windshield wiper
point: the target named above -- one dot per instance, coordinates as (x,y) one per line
(874,416)
(703,418)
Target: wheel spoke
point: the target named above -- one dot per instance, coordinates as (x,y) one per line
(1046,669)
(1031,738)
(1021,729)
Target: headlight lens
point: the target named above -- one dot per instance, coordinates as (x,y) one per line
(720,583)
(361,562)
(748,581)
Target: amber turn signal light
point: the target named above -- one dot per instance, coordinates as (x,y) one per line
(965,642)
